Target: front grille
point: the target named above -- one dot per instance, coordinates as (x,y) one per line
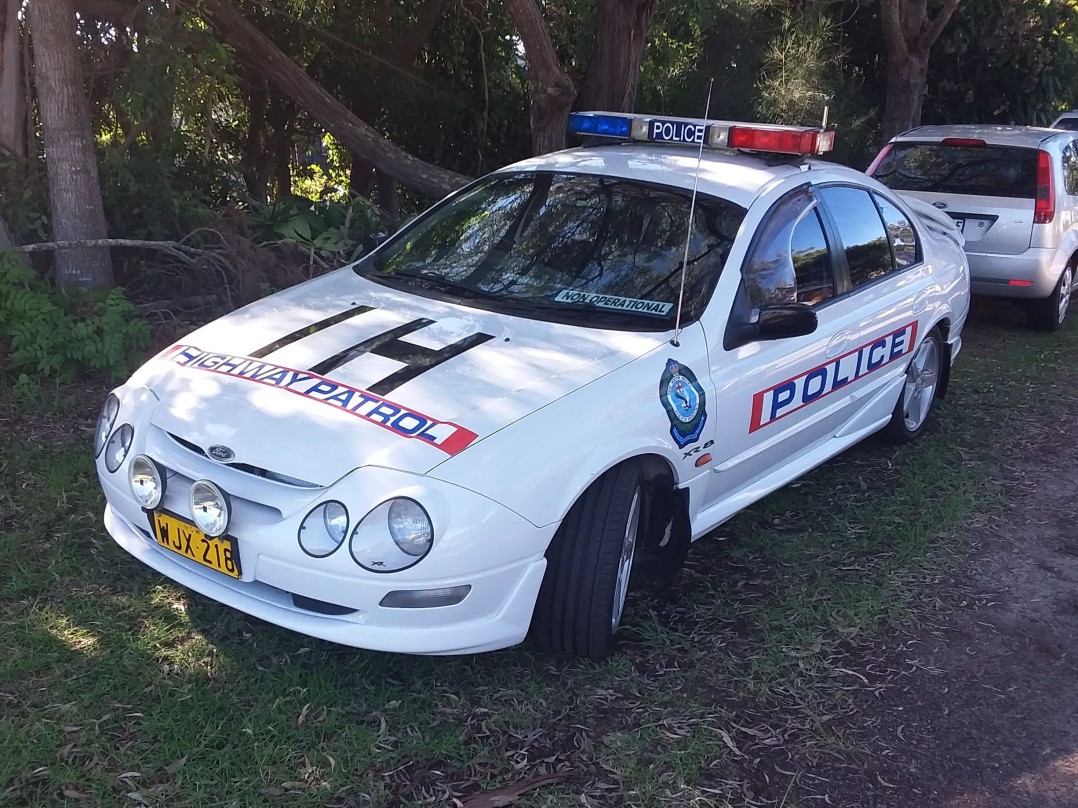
(246,468)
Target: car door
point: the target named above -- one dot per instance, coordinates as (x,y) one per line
(854,257)
(781,398)
(888,287)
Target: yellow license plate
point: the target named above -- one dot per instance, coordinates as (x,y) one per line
(184,538)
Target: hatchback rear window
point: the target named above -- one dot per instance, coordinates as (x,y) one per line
(978,170)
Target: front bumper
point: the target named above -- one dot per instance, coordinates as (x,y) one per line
(991,274)
(478,543)
(495,614)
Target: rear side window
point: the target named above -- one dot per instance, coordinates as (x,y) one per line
(1070,124)
(868,252)
(1005,171)
(903,236)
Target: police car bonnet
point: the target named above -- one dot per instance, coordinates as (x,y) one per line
(370,375)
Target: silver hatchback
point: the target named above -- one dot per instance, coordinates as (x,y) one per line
(1013,192)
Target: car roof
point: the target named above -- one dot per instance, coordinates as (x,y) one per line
(737,177)
(990,133)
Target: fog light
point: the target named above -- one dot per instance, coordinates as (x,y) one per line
(425,598)
(147,482)
(118,446)
(323,529)
(210,508)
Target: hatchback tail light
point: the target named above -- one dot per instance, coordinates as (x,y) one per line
(1044,209)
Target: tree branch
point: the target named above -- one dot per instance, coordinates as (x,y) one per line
(929,36)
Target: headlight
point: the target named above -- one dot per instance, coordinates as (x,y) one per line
(323,530)
(210,508)
(105,421)
(147,482)
(394,536)
(118,446)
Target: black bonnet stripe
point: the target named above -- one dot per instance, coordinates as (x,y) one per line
(416,358)
(307,330)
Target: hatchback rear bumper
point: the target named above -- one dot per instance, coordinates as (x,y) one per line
(1032,274)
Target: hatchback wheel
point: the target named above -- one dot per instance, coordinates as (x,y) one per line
(1050,314)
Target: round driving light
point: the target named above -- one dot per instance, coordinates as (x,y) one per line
(147,482)
(410,527)
(118,445)
(105,421)
(323,529)
(210,508)
(394,536)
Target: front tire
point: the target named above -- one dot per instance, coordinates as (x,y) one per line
(923,376)
(582,599)
(1050,314)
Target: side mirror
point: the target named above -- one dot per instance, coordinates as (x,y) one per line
(788,320)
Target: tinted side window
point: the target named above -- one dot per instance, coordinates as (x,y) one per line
(1070,168)
(903,236)
(868,252)
(811,260)
(790,262)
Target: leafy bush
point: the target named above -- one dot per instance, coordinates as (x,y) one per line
(53,336)
(332,229)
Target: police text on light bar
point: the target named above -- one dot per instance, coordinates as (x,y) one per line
(697,131)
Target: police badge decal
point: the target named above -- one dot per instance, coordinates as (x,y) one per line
(683,399)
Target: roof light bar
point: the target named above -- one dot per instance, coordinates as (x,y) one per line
(698,131)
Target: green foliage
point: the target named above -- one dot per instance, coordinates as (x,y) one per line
(330,228)
(57,337)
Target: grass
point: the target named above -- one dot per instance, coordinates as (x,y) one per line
(119,688)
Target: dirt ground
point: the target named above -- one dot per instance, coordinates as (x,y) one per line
(981,709)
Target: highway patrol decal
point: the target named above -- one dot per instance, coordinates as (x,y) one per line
(449,437)
(791,395)
(683,399)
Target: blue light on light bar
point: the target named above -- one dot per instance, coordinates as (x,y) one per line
(590,123)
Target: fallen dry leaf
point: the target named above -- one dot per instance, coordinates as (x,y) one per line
(507,795)
(175,765)
(73,793)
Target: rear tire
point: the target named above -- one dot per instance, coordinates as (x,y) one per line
(1050,314)
(589,561)
(923,377)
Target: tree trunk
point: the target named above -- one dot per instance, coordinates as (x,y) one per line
(258,50)
(12,95)
(908,34)
(552,91)
(906,79)
(74,189)
(620,35)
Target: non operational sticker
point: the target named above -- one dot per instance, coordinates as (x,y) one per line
(683,399)
(407,423)
(791,395)
(613,302)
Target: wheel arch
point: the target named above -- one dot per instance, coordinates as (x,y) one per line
(944,327)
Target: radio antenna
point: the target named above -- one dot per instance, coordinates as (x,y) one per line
(688,229)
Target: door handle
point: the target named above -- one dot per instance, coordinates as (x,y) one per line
(838,342)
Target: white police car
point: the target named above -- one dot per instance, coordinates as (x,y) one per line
(480,428)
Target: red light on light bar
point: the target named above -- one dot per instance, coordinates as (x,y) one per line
(968,142)
(1016,282)
(786,141)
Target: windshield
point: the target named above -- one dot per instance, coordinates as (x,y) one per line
(1005,171)
(591,250)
